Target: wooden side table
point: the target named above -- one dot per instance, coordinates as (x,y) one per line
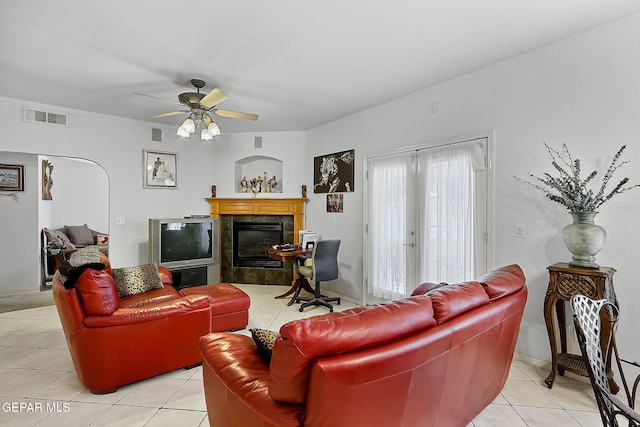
(565,282)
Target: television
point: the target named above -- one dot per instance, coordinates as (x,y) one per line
(183,242)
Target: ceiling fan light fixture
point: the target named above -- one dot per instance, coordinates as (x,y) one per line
(205,135)
(213,129)
(182,132)
(189,125)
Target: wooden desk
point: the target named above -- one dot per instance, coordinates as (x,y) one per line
(299,282)
(565,282)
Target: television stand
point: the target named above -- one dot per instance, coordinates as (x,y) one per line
(188,277)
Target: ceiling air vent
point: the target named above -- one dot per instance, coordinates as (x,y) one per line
(32,115)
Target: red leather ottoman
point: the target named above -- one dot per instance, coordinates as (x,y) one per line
(230,306)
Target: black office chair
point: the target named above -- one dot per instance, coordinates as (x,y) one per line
(324,267)
(588,317)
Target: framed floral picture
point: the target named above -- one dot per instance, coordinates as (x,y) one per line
(11,178)
(160,169)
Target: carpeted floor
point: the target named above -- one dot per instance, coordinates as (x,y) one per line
(24,301)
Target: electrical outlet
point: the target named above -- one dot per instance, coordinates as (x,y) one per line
(520,231)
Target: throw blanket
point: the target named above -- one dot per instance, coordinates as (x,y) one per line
(79,261)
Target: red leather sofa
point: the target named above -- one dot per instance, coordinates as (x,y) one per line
(437,358)
(115,341)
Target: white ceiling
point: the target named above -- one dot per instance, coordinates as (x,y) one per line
(296,63)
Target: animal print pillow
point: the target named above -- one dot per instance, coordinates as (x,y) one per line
(136,280)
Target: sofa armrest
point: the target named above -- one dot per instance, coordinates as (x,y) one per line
(233,370)
(148,312)
(165,275)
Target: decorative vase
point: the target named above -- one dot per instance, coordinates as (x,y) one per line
(584,239)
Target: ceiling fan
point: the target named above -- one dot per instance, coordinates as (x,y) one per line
(200,107)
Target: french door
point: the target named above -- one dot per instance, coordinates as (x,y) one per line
(426,218)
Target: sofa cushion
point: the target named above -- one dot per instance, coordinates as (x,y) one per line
(149,297)
(303,341)
(264,340)
(137,280)
(503,281)
(79,234)
(98,292)
(153,311)
(454,300)
(58,239)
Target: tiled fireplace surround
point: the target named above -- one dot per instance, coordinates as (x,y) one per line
(288,211)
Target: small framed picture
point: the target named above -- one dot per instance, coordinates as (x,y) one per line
(335,203)
(160,169)
(11,178)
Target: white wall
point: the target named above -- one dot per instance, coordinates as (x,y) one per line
(19,251)
(584,91)
(80,195)
(289,147)
(117,145)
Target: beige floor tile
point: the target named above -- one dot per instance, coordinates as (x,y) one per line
(7,375)
(125,416)
(545,417)
(41,340)
(576,395)
(527,393)
(176,417)
(515,373)
(205,422)
(154,392)
(11,338)
(61,363)
(587,418)
(64,388)
(21,416)
(72,414)
(9,354)
(189,397)
(29,383)
(498,415)
(36,358)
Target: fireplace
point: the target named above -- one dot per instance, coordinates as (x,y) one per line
(251,240)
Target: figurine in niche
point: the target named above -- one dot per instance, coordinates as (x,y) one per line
(265,184)
(273,183)
(254,188)
(304,191)
(213,191)
(244,185)
(259,184)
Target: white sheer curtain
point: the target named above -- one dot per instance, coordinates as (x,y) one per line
(388,186)
(429,192)
(446,212)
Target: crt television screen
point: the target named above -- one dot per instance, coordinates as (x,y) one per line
(182,241)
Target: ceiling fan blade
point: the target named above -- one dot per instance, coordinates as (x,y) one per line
(157,97)
(213,98)
(172,113)
(236,115)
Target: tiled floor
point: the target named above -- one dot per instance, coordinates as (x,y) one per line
(36,372)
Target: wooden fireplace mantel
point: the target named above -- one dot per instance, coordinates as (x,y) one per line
(261,206)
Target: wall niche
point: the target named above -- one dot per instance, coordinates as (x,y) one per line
(258,174)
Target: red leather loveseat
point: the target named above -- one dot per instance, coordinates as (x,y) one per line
(115,341)
(436,359)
